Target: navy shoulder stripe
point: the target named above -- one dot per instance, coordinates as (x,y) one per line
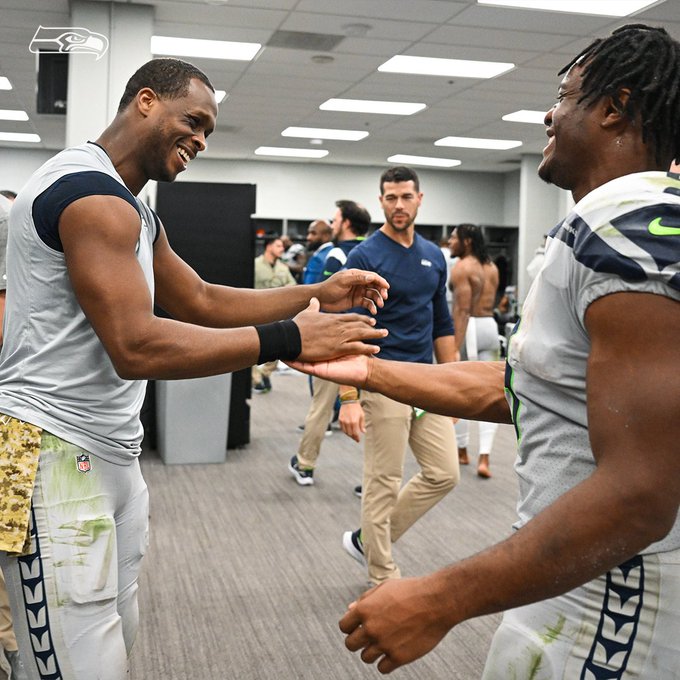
(49,205)
(593,252)
(157,220)
(656,230)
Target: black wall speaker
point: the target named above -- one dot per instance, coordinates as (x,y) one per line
(52,82)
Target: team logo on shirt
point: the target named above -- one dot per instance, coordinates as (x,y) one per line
(649,228)
(426,263)
(83,463)
(655,228)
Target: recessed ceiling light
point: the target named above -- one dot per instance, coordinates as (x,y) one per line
(371,106)
(322,58)
(19,137)
(8,114)
(208,49)
(423,160)
(478,143)
(356,30)
(433,66)
(5,84)
(325,133)
(608,8)
(220,96)
(526,116)
(292,153)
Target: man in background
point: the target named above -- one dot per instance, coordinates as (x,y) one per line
(419,324)
(350,224)
(294,256)
(319,243)
(270,272)
(474,282)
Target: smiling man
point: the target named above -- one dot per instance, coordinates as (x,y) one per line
(86,261)
(590,580)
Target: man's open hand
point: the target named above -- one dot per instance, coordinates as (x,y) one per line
(353,288)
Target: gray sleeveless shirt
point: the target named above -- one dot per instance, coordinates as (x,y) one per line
(54,371)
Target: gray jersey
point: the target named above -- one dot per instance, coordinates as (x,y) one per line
(54,371)
(5,206)
(623,236)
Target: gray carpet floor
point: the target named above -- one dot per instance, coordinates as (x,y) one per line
(246,579)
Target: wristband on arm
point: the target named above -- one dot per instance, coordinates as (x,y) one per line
(279,340)
(350,396)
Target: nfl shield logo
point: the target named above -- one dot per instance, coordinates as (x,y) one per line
(83,463)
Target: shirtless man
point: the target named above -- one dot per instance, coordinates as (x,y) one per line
(474,280)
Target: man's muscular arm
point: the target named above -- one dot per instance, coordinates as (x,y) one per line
(630,501)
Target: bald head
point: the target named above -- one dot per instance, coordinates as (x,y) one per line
(318,233)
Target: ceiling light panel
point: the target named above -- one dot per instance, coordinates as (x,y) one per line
(423,160)
(290,153)
(19,137)
(372,106)
(608,8)
(325,133)
(207,49)
(526,116)
(478,143)
(8,114)
(453,68)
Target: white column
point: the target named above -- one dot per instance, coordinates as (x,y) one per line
(95,86)
(541,207)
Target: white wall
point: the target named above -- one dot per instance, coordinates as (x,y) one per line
(511,199)
(17,165)
(307,191)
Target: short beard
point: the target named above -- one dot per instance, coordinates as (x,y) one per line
(406,227)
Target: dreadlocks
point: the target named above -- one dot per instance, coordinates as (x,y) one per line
(645,60)
(477,243)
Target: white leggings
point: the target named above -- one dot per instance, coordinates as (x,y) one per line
(481,344)
(74,596)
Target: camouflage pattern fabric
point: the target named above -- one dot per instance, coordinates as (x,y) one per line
(19,454)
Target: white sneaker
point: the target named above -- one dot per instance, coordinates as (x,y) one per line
(351,542)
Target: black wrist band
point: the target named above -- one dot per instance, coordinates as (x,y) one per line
(279,340)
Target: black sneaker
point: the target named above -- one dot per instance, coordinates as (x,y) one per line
(357,491)
(261,387)
(303,476)
(351,542)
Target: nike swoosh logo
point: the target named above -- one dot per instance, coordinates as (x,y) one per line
(655,228)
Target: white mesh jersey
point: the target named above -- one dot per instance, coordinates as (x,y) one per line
(623,236)
(54,371)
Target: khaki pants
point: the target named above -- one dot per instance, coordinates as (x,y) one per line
(387,509)
(7,639)
(316,422)
(262,371)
